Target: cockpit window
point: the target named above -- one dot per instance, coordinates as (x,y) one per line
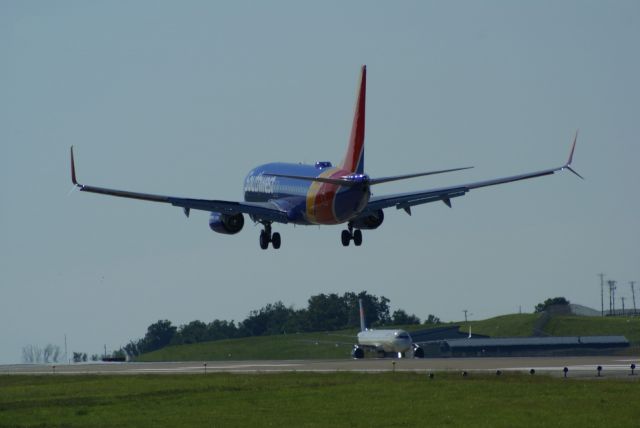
(403,336)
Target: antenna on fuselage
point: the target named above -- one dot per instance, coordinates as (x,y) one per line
(362,325)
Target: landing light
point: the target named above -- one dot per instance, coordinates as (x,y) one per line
(359,178)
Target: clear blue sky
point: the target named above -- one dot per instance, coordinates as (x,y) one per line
(184,98)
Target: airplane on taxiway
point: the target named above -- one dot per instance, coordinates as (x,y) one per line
(319,194)
(384,342)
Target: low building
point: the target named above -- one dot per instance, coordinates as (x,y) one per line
(441,333)
(527,346)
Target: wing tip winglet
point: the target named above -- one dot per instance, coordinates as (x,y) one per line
(570,161)
(573,148)
(73,170)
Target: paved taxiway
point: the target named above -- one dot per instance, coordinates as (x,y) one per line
(617,366)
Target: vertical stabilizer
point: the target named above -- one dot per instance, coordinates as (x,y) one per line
(362,325)
(354,159)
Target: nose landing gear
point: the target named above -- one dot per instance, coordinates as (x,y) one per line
(348,235)
(266,236)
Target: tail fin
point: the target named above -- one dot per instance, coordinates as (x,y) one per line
(354,159)
(362,325)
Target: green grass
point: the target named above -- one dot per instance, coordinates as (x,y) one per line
(339,344)
(514,325)
(312,399)
(595,326)
(286,346)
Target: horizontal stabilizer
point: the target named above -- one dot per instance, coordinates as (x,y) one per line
(352,180)
(337,181)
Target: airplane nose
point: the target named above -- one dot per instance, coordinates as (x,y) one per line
(403,343)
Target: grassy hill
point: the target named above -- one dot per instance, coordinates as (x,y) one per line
(339,344)
(287,346)
(595,326)
(513,325)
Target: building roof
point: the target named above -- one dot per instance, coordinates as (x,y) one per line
(561,341)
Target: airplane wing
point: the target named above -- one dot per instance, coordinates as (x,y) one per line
(264,211)
(445,194)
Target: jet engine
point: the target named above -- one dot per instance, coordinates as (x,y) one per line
(225,223)
(357,353)
(371,220)
(418,352)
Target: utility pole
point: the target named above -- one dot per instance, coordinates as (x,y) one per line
(65,350)
(612,296)
(622,305)
(633,296)
(465,315)
(601,275)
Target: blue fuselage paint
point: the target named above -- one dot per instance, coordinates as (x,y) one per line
(306,202)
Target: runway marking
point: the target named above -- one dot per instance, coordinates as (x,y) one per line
(615,366)
(202,367)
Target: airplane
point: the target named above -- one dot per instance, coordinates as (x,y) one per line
(319,194)
(384,342)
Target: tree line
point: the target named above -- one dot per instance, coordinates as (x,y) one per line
(324,312)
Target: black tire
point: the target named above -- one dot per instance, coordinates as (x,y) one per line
(346,237)
(264,240)
(276,240)
(357,353)
(357,237)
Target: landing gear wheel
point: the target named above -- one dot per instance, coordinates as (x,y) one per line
(346,237)
(276,241)
(357,237)
(264,240)
(266,237)
(357,353)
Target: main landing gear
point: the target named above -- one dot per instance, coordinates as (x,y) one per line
(348,235)
(266,236)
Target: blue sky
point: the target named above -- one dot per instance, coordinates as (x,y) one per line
(184,98)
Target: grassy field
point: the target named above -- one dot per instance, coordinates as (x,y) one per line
(308,400)
(514,325)
(595,326)
(315,345)
(339,344)
(286,346)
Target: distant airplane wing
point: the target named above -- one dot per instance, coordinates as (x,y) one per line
(261,210)
(445,194)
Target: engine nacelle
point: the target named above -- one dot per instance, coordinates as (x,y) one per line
(225,223)
(357,353)
(418,352)
(369,221)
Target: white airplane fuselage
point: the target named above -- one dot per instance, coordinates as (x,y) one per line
(392,341)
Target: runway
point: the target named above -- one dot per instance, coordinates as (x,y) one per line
(612,366)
